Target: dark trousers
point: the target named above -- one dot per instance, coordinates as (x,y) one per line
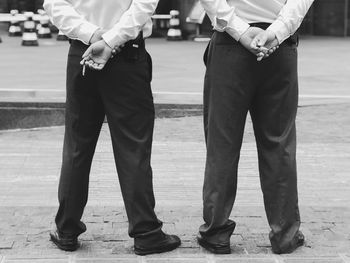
(122,92)
(236,83)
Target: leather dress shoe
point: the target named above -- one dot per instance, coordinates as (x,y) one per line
(65,243)
(298,241)
(214,248)
(158,244)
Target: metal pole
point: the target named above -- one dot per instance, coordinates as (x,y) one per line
(346,19)
(312,20)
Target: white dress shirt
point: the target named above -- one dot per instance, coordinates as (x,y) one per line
(124,19)
(234,16)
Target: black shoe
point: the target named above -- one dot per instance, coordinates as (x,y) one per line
(298,241)
(214,248)
(64,243)
(164,243)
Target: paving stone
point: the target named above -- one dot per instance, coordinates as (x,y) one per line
(6,244)
(23,259)
(37,261)
(111,260)
(314,260)
(28,195)
(246,260)
(173,260)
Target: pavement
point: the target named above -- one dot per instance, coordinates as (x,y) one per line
(30,164)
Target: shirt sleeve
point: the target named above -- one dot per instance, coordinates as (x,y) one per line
(131,22)
(290,18)
(69,21)
(224,18)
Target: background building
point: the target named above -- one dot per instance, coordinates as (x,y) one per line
(21,5)
(326,17)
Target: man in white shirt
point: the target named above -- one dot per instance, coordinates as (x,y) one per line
(244,74)
(122,92)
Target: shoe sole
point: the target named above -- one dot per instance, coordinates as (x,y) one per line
(65,248)
(300,243)
(141,252)
(207,246)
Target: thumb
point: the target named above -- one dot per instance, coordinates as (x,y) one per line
(254,43)
(87,52)
(261,39)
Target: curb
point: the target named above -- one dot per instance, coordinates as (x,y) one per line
(24,115)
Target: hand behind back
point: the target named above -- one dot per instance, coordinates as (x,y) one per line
(267,40)
(261,43)
(247,38)
(97,55)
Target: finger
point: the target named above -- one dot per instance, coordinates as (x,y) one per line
(262,39)
(259,58)
(272,50)
(263,50)
(97,66)
(87,52)
(84,60)
(89,64)
(254,43)
(100,66)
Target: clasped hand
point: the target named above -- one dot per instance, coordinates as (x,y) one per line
(261,43)
(98,54)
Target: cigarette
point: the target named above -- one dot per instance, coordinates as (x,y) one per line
(84,67)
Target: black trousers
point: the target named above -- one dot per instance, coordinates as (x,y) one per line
(236,83)
(122,92)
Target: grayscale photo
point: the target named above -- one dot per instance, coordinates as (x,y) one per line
(175,131)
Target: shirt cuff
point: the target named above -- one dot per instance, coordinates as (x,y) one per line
(280,29)
(112,39)
(235,28)
(86,32)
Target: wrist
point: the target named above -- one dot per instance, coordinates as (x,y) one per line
(243,34)
(270,34)
(107,46)
(95,36)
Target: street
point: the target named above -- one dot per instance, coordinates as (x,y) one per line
(38,73)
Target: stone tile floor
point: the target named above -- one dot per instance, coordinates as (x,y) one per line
(29,170)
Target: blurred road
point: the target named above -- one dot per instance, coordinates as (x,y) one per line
(38,73)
